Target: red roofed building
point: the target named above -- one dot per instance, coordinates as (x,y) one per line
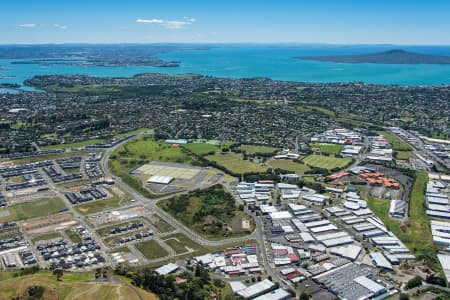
(279,252)
(293,257)
(338,175)
(179,280)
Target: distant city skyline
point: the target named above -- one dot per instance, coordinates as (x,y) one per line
(176,21)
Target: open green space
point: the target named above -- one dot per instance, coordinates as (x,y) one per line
(146,148)
(73,236)
(209,212)
(404,155)
(254,101)
(142,150)
(288,165)
(328,148)
(252,149)
(151,249)
(402,150)
(326,162)
(311,108)
(309,179)
(178,242)
(440,135)
(202,148)
(161,225)
(46,237)
(342,118)
(417,234)
(132,132)
(380,207)
(235,163)
(92,141)
(419,229)
(397,143)
(99,205)
(38,208)
(73,286)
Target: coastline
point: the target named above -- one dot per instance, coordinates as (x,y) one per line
(276,63)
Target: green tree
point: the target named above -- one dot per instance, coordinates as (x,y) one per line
(304,296)
(403,296)
(414,282)
(98,271)
(58,273)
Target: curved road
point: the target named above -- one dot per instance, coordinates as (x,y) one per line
(151,205)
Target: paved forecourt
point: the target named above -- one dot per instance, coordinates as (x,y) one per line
(178,171)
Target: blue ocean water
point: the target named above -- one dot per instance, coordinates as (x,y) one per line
(272,61)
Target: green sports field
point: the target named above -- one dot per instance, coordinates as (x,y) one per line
(235,163)
(288,165)
(252,149)
(328,148)
(326,162)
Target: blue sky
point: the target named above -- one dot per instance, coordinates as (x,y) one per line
(225,21)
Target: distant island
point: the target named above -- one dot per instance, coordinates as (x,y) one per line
(395,56)
(9,85)
(101,62)
(90,55)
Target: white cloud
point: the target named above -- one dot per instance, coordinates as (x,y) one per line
(27,25)
(169,24)
(150,21)
(60,26)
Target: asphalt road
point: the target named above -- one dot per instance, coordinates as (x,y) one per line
(151,205)
(270,270)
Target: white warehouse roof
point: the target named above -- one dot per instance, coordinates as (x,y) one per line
(369,284)
(348,251)
(380,261)
(160,179)
(444,259)
(278,294)
(280,215)
(167,269)
(256,289)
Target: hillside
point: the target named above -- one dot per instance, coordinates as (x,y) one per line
(73,286)
(395,56)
